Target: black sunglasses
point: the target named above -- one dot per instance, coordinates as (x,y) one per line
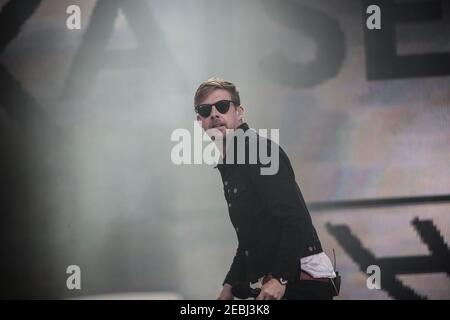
(205,109)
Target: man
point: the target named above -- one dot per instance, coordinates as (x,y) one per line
(278,246)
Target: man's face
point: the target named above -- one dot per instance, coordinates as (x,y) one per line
(220,121)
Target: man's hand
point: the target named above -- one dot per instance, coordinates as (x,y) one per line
(272,290)
(226,294)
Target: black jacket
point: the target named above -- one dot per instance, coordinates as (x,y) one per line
(273,225)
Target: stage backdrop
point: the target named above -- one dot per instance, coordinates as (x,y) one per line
(86,117)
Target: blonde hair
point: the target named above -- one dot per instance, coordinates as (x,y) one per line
(216,83)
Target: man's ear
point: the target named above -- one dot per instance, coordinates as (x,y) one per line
(241,112)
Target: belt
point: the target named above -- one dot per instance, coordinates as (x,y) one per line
(306,276)
(303,276)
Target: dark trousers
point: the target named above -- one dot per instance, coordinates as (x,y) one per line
(308,290)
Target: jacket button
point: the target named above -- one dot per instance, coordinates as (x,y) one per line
(237,229)
(235,190)
(229,205)
(310,248)
(246,253)
(226,183)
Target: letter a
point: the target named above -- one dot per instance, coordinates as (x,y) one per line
(74,280)
(74,20)
(374,20)
(374,281)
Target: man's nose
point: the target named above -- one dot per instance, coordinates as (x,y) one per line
(214,112)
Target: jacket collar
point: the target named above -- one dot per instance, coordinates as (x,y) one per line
(244,126)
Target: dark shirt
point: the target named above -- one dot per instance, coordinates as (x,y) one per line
(273,225)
